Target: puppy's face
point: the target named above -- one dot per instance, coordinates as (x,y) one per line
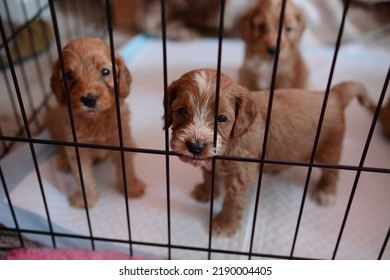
(191,114)
(89,77)
(259,28)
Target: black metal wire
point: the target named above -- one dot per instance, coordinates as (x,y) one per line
(26,126)
(11,98)
(216,113)
(27,89)
(22,27)
(70,113)
(384,244)
(166,128)
(320,122)
(11,207)
(119,121)
(267,125)
(153,244)
(361,164)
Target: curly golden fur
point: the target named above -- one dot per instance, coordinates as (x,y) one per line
(241,124)
(259,29)
(90,84)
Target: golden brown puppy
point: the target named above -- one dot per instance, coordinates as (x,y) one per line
(259,30)
(186,20)
(241,123)
(90,83)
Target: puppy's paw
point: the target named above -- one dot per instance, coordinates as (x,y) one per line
(135,188)
(323,198)
(202,192)
(224,226)
(77,199)
(62,163)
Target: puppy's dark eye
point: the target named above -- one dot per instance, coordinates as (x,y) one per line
(182,111)
(222,119)
(289,29)
(105,72)
(260,27)
(69,76)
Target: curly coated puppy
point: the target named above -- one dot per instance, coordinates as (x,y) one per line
(90,83)
(241,123)
(259,30)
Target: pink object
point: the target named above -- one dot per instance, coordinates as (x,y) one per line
(65,254)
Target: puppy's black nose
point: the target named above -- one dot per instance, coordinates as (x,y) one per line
(195,148)
(89,100)
(271,51)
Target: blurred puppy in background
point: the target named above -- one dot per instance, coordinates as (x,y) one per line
(187,20)
(90,83)
(259,30)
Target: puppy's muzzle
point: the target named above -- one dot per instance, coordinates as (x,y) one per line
(195,147)
(89,100)
(272,51)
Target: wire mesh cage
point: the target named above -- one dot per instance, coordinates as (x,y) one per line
(33,35)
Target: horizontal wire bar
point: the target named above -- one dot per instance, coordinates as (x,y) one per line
(218,157)
(153,244)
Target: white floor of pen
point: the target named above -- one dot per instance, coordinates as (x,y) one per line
(367,224)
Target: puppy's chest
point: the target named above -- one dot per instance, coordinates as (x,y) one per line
(262,69)
(97,133)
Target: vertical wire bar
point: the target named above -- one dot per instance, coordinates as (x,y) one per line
(27,128)
(215,136)
(119,121)
(20,60)
(362,160)
(45,34)
(166,129)
(320,121)
(70,113)
(35,58)
(9,90)
(11,207)
(267,125)
(384,245)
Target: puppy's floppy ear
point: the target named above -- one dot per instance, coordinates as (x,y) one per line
(300,18)
(171,95)
(245,26)
(56,83)
(245,112)
(124,77)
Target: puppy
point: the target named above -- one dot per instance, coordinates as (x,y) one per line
(187,20)
(259,30)
(241,124)
(90,83)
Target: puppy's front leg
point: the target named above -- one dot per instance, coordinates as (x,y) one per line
(202,191)
(135,187)
(229,219)
(237,179)
(77,199)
